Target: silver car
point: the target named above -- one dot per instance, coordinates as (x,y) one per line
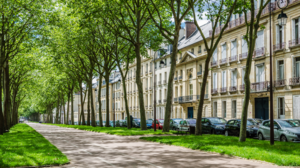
(284,130)
(174,123)
(185,125)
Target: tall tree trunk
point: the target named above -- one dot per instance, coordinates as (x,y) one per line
(82,104)
(64,108)
(168,110)
(107,99)
(99,101)
(126,104)
(7,101)
(72,104)
(92,102)
(88,105)
(57,111)
(68,108)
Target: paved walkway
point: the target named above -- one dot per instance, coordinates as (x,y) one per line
(94,150)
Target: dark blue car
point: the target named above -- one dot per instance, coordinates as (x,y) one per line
(213,125)
(149,123)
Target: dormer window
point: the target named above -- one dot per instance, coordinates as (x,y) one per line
(192,50)
(199,49)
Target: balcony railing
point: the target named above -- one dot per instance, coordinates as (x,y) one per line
(214,63)
(223,61)
(242,87)
(185,99)
(175,100)
(279,46)
(232,89)
(199,73)
(260,86)
(214,91)
(223,90)
(259,52)
(294,42)
(180,78)
(295,81)
(279,83)
(243,56)
(233,58)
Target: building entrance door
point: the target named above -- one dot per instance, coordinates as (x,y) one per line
(190,112)
(296,107)
(262,108)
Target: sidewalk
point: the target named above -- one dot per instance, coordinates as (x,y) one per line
(88,150)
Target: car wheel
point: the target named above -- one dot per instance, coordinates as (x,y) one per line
(283,138)
(226,133)
(260,136)
(213,131)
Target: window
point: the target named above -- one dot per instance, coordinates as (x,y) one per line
(260,73)
(231,122)
(166,76)
(233,108)
(224,109)
(192,50)
(200,69)
(297,67)
(215,80)
(260,40)
(234,78)
(295,31)
(279,35)
(280,70)
(224,51)
(244,46)
(266,124)
(233,51)
(243,75)
(215,109)
(199,49)
(191,89)
(191,76)
(224,79)
(281,112)
(215,56)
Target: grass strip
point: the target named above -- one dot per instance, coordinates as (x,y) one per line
(23,146)
(282,153)
(122,131)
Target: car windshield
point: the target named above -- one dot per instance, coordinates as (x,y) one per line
(161,121)
(177,121)
(288,123)
(192,121)
(217,120)
(149,121)
(258,120)
(250,122)
(137,120)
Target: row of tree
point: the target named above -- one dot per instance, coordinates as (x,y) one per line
(84,40)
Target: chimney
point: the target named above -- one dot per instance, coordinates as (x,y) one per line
(190,27)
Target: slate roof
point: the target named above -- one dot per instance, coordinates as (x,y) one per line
(195,36)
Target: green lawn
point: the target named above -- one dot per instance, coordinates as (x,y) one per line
(282,153)
(123,131)
(23,146)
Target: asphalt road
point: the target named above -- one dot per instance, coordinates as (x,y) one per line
(97,150)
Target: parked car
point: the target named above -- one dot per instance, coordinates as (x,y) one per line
(256,120)
(186,124)
(174,123)
(159,124)
(149,123)
(111,123)
(232,127)
(213,125)
(284,130)
(136,122)
(118,123)
(121,123)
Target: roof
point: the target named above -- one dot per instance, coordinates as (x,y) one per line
(195,36)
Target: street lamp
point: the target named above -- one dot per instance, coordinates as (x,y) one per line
(282,17)
(154,95)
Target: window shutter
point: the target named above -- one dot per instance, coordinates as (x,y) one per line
(278,70)
(243,74)
(262,79)
(277,34)
(297,74)
(225,79)
(232,82)
(244,46)
(257,74)
(215,55)
(260,39)
(233,48)
(298,29)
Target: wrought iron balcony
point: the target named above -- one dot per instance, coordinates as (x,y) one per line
(223,61)
(186,99)
(295,81)
(242,87)
(279,83)
(199,73)
(223,90)
(243,56)
(233,58)
(214,91)
(180,78)
(232,89)
(294,42)
(214,63)
(260,86)
(279,46)
(259,52)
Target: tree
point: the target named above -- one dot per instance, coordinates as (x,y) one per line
(218,12)
(251,34)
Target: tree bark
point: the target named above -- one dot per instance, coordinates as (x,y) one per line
(125,99)
(92,101)
(107,99)
(72,104)
(88,104)
(99,101)
(57,111)
(68,108)
(7,101)
(82,104)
